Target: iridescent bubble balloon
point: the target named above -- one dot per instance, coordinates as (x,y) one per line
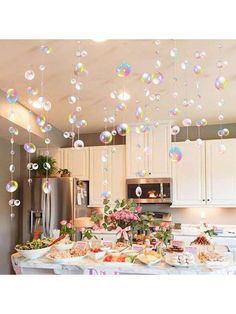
(78,144)
(222,148)
(139,112)
(225,132)
(175,153)
(12,96)
(220,133)
(199,141)
(138,191)
(47,140)
(32,91)
(173,112)
(47,127)
(204,121)
(220,117)
(47,105)
(80,69)
(114,132)
(29,75)
(199,123)
(146,78)
(72,118)
(175,130)
(174,52)
(13,130)
(30,148)
(47,187)
(83,123)
(197,69)
(123,70)
(124,96)
(72,100)
(221,83)
(12,168)
(41,120)
(187,122)
(142,173)
(120,106)
(157,78)
(106,137)
(114,94)
(123,129)
(45,49)
(11,186)
(106,194)
(184,65)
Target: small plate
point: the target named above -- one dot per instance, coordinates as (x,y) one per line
(179,265)
(65,260)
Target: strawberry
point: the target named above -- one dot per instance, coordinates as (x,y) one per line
(108,258)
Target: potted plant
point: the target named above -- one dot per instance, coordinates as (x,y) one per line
(43,168)
(64,172)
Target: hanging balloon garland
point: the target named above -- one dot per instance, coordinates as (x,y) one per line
(80,70)
(175,153)
(220,84)
(12,185)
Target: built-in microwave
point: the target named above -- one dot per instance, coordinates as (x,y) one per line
(148,190)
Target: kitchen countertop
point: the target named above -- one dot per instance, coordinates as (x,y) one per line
(86,266)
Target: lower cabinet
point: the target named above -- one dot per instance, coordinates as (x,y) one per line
(205,176)
(114,173)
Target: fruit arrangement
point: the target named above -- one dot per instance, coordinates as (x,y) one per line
(119,258)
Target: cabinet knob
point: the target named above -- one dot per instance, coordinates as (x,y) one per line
(203,200)
(208,200)
(150,173)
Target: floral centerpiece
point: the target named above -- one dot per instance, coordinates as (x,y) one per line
(67,228)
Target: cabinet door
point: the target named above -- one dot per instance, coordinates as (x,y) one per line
(55,153)
(135,157)
(221,173)
(189,176)
(159,142)
(97,174)
(118,180)
(77,161)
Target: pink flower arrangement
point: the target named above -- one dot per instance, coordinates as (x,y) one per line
(124,216)
(63,222)
(67,228)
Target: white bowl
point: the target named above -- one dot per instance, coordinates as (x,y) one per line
(96,256)
(64,246)
(33,254)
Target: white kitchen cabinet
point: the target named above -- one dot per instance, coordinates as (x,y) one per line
(221,173)
(115,173)
(156,161)
(77,162)
(55,153)
(189,176)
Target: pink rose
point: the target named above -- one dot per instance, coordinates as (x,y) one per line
(69,225)
(63,222)
(139,209)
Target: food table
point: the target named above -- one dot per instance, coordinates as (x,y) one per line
(87,266)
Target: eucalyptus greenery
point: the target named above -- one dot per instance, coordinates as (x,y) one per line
(41,160)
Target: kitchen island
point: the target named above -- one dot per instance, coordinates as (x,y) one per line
(86,266)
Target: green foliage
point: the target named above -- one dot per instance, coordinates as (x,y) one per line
(63,171)
(88,234)
(96,217)
(40,160)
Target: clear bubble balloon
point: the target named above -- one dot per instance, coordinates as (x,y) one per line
(41,120)
(174,52)
(66,135)
(120,106)
(199,123)
(199,141)
(78,144)
(175,130)
(197,69)
(11,202)
(78,86)
(11,186)
(12,95)
(144,128)
(204,121)
(123,129)
(114,132)
(35,166)
(72,100)
(111,119)
(78,108)
(222,148)
(184,65)
(157,78)
(47,187)
(83,123)
(138,191)
(46,128)
(158,64)
(42,67)
(73,81)
(114,94)
(146,78)
(29,75)
(225,132)
(30,148)
(12,168)
(187,122)
(12,152)
(13,131)
(80,69)
(123,96)
(30,180)
(139,112)
(146,92)
(173,112)
(175,153)
(123,70)
(142,173)
(187,141)
(46,166)
(147,150)
(220,117)
(106,137)
(221,83)
(104,158)
(47,141)
(29,166)
(17,202)
(47,105)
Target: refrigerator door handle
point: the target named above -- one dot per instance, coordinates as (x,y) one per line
(31,221)
(48,213)
(43,198)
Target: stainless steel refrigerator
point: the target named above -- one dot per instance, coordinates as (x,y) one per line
(67,200)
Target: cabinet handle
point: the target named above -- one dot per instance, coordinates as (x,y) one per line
(208,200)
(203,200)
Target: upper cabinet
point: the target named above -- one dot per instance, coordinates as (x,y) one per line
(189,176)
(204,176)
(152,148)
(55,153)
(221,172)
(113,171)
(77,162)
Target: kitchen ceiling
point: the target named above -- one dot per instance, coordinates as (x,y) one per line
(17,56)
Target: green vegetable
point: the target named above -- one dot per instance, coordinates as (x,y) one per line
(129,259)
(34,245)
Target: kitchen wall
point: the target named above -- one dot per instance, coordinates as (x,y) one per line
(8,229)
